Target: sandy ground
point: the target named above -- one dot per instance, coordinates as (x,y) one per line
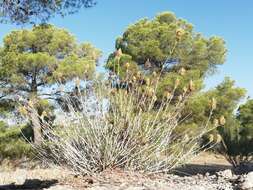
(60,179)
(206,158)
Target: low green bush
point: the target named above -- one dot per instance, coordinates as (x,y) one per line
(13,142)
(237,144)
(237,136)
(15,149)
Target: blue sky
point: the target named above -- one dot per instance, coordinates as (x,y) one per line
(230,19)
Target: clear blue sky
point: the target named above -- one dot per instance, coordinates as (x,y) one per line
(230,19)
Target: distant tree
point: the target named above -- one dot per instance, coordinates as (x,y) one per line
(32,60)
(169,45)
(225,97)
(229,137)
(27,11)
(237,136)
(245,113)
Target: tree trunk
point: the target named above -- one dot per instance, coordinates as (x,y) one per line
(36,125)
(37,129)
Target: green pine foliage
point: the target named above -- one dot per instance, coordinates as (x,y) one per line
(237,136)
(38,58)
(26,11)
(13,142)
(167,37)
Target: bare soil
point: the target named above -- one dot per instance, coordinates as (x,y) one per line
(61,179)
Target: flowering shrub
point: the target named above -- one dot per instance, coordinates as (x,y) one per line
(121,127)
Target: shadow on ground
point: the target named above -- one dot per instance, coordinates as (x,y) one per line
(30,184)
(194,169)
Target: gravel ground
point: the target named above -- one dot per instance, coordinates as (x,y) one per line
(58,179)
(130,181)
(206,172)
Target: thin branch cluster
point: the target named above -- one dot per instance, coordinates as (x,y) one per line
(120,128)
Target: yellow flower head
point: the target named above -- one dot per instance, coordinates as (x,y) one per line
(186,137)
(150,91)
(222,120)
(180,98)
(177,82)
(30,103)
(211,137)
(44,113)
(148,81)
(127,65)
(139,74)
(185,89)
(191,85)
(134,79)
(219,138)
(213,104)
(167,95)
(182,71)
(216,122)
(22,110)
(179,33)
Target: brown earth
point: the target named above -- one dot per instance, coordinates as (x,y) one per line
(203,163)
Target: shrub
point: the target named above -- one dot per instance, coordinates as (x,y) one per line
(236,146)
(237,137)
(15,149)
(124,127)
(13,144)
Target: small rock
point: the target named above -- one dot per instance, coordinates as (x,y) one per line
(207,174)
(247,182)
(226,174)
